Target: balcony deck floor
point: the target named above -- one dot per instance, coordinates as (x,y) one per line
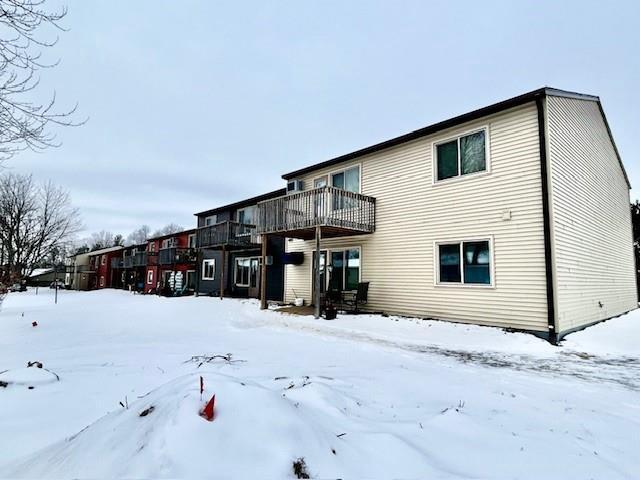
(309,233)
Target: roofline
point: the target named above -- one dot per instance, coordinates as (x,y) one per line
(613,142)
(452,122)
(104,250)
(169,235)
(249,201)
(135,245)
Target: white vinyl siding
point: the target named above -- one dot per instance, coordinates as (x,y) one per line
(591,220)
(413,213)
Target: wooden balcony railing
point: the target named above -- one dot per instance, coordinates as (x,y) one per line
(342,212)
(229,234)
(127,262)
(116,263)
(168,256)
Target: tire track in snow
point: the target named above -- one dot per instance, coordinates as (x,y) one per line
(621,370)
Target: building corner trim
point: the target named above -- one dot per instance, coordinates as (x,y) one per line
(548,261)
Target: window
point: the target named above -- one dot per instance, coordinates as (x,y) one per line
(101,281)
(450,263)
(295,186)
(152,247)
(192,240)
(209,269)
(320,182)
(461,156)
(345,269)
(255,271)
(348,180)
(210,220)
(243,270)
(465,262)
(169,242)
(103,260)
(246,215)
(150,277)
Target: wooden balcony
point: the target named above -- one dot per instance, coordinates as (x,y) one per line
(229,234)
(171,255)
(116,263)
(338,212)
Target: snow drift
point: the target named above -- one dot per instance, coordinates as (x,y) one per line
(254,428)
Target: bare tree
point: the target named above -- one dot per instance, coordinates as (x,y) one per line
(167,230)
(101,239)
(23,38)
(118,240)
(139,236)
(36,221)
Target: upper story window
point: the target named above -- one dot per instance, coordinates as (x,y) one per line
(169,242)
(210,220)
(247,215)
(294,186)
(348,179)
(192,240)
(462,155)
(103,260)
(152,247)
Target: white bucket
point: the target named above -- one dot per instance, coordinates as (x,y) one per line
(298,302)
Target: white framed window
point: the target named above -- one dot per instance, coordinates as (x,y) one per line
(246,215)
(149,277)
(209,269)
(465,262)
(169,242)
(347,179)
(101,280)
(192,240)
(152,247)
(103,259)
(210,220)
(340,268)
(242,272)
(462,155)
(344,269)
(320,182)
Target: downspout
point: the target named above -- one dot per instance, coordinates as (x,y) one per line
(546,216)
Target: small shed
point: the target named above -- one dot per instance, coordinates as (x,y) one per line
(41,277)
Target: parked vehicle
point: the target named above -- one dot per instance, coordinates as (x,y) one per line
(19,286)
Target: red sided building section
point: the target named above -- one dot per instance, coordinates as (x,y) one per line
(171,264)
(100,267)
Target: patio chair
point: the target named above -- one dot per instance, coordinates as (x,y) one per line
(353,303)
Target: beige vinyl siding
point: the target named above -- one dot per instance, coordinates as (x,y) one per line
(412,213)
(591,221)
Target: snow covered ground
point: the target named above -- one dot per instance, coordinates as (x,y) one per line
(362,396)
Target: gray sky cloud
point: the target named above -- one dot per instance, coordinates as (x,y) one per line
(196,104)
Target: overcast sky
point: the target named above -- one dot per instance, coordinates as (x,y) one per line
(195,104)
